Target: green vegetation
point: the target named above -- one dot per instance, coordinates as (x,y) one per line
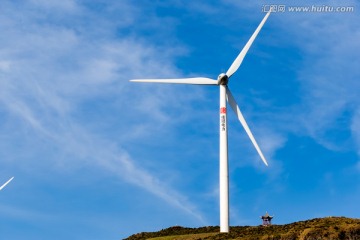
(329,228)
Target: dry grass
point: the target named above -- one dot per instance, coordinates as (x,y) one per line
(185,237)
(329,228)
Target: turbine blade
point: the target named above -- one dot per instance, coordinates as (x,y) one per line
(6,183)
(236,64)
(241,118)
(196,81)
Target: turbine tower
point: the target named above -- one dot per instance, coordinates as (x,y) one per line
(225,95)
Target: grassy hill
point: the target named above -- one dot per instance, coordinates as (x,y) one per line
(329,228)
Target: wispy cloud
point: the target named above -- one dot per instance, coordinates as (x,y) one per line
(24,214)
(50,71)
(329,77)
(355,129)
(327,74)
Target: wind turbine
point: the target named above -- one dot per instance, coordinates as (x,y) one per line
(225,95)
(6,183)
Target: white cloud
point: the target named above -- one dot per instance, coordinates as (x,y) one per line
(329,77)
(50,71)
(355,129)
(327,74)
(4,66)
(12,212)
(65,5)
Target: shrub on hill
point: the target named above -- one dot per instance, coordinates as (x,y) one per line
(329,228)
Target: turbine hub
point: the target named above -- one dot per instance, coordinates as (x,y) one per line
(223,79)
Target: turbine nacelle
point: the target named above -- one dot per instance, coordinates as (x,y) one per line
(222,79)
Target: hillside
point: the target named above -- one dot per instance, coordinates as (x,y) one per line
(332,228)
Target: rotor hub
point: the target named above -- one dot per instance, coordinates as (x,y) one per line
(223,79)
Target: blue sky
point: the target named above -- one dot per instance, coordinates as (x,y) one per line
(97,157)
